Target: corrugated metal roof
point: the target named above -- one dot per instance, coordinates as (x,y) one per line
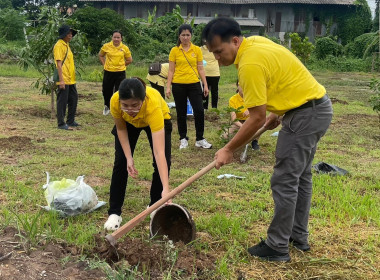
(241,21)
(312,2)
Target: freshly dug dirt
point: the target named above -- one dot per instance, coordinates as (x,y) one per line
(45,262)
(157,256)
(53,261)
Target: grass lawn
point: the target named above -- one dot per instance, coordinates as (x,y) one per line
(230,214)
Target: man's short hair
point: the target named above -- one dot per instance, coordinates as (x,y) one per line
(224,27)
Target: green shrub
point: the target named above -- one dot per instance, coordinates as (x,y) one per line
(11,24)
(98,25)
(357,47)
(326,46)
(375,98)
(302,48)
(340,64)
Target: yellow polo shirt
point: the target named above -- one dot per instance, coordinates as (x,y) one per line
(236,101)
(183,73)
(153,112)
(68,68)
(270,74)
(162,77)
(115,56)
(212,65)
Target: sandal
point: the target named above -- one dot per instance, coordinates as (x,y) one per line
(113,222)
(64,127)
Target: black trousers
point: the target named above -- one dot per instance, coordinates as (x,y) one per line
(213,86)
(120,173)
(193,92)
(111,83)
(160,89)
(67,97)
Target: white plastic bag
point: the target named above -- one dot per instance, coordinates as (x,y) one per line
(70,197)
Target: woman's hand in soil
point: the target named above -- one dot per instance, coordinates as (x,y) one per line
(132,171)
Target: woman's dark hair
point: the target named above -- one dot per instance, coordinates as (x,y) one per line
(224,27)
(132,88)
(182,28)
(117,31)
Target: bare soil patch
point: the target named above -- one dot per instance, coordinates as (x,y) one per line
(46,262)
(16,143)
(158,256)
(53,261)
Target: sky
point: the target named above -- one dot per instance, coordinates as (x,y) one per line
(372,5)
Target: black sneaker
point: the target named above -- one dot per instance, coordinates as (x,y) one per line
(299,246)
(264,252)
(255,145)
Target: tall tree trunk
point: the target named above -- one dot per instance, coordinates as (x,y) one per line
(53,114)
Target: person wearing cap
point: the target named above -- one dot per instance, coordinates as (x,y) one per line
(212,77)
(115,57)
(67,95)
(158,82)
(273,79)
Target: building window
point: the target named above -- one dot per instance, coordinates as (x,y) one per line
(317,26)
(251,13)
(189,9)
(299,20)
(277,26)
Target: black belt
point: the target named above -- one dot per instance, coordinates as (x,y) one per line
(311,103)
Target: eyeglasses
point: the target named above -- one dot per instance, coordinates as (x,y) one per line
(131,110)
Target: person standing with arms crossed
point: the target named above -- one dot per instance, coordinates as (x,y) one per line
(67,95)
(115,57)
(273,79)
(185,74)
(212,76)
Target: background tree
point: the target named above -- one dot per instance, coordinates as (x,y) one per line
(39,51)
(375,26)
(356,21)
(98,25)
(5,4)
(12,23)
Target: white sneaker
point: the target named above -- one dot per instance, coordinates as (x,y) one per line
(203,144)
(151,214)
(106,110)
(184,143)
(113,222)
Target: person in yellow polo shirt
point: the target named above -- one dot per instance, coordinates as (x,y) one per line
(115,57)
(273,79)
(67,95)
(134,108)
(158,82)
(239,116)
(185,72)
(212,76)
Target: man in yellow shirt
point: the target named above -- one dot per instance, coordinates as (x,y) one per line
(274,80)
(67,95)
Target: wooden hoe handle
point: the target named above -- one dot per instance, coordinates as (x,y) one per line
(140,217)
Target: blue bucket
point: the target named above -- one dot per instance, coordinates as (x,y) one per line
(189,108)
